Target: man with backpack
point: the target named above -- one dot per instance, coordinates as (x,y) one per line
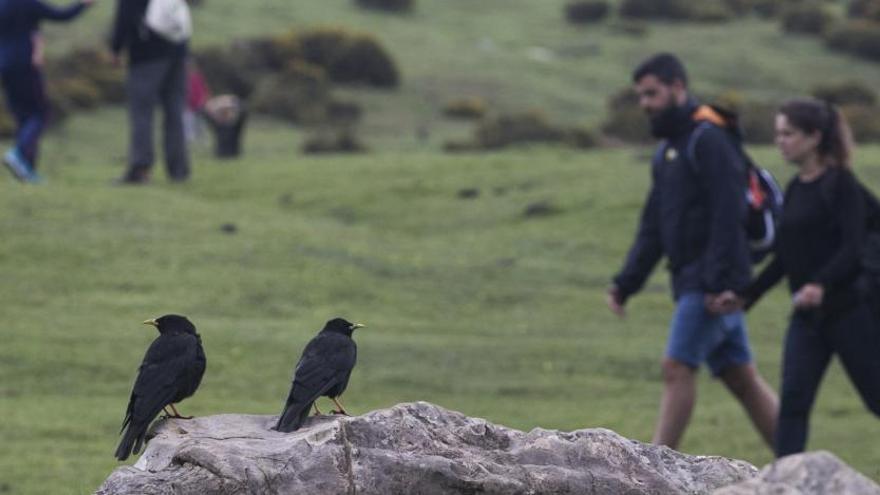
(695,216)
(155,34)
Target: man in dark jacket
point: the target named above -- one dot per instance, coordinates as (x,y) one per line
(23,79)
(156,74)
(694,216)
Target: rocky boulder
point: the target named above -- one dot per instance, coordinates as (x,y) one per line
(805,474)
(410,448)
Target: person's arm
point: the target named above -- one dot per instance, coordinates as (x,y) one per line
(646,251)
(50,12)
(721,174)
(122,27)
(769,276)
(849,213)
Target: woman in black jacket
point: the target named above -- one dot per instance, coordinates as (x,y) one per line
(818,250)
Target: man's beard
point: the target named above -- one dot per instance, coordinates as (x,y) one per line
(666,122)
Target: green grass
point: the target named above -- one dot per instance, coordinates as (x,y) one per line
(470,304)
(516,54)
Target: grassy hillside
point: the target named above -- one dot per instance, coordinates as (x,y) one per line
(518,54)
(470,303)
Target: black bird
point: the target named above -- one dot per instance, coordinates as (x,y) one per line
(171,371)
(323,370)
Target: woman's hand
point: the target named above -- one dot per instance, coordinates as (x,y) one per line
(809,296)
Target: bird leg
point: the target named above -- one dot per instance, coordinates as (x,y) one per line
(164,410)
(177,414)
(341,409)
(317,411)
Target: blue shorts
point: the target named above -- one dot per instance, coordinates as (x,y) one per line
(696,337)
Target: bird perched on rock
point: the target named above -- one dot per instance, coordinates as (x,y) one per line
(323,370)
(171,371)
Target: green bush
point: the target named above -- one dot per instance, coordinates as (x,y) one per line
(757,120)
(585,11)
(864,122)
(860,38)
(349,57)
(364,60)
(388,5)
(581,137)
(227,71)
(806,18)
(864,9)
(334,141)
(296,95)
(79,92)
(846,93)
(626,121)
(504,130)
(466,108)
(702,11)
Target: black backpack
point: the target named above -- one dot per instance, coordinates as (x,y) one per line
(869,280)
(763,194)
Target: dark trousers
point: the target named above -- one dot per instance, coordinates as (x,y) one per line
(809,344)
(161,81)
(26,98)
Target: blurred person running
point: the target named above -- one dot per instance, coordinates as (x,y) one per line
(21,53)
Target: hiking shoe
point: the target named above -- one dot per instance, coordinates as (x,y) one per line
(19,167)
(133,177)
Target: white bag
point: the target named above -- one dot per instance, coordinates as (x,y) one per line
(169,19)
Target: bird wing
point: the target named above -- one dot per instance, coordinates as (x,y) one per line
(159,375)
(326,360)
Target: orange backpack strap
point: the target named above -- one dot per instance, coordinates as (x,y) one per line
(705,113)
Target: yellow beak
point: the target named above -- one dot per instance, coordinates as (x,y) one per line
(151,322)
(357,325)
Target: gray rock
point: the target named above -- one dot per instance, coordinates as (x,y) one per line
(812,473)
(416,448)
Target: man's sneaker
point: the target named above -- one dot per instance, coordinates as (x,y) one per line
(19,167)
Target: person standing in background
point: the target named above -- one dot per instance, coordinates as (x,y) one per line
(156,75)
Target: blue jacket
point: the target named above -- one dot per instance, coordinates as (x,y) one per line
(19,20)
(694,214)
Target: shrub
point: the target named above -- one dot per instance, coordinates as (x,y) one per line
(78,92)
(864,122)
(806,18)
(335,141)
(364,60)
(626,121)
(466,108)
(528,127)
(349,57)
(584,11)
(703,10)
(757,120)
(846,93)
(295,95)
(864,9)
(387,5)
(90,65)
(581,137)
(860,38)
(226,72)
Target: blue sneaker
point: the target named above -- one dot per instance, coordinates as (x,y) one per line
(19,167)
